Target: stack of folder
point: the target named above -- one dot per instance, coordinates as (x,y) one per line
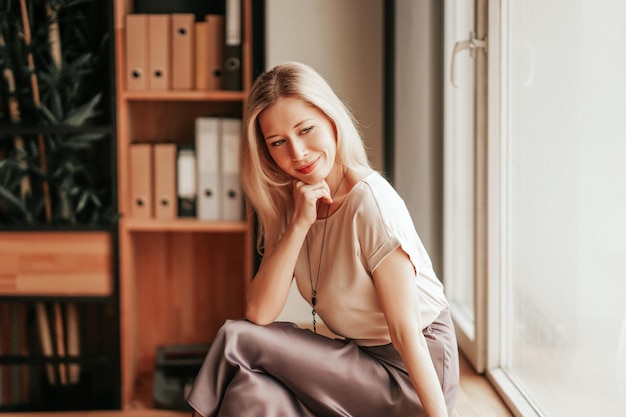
(190,180)
(176,52)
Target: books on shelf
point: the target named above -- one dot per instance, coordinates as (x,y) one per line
(176,52)
(219,187)
(199,179)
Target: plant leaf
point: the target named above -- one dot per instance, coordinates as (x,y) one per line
(52,118)
(81,114)
(15,202)
(82,140)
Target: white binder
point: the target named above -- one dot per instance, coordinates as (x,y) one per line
(232,199)
(207,136)
(186,181)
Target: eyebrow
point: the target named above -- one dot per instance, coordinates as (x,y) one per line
(301,122)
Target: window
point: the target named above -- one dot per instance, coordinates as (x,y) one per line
(555,318)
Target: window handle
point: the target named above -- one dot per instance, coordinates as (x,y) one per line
(472,44)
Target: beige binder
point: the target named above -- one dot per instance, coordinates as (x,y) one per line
(136,52)
(216,51)
(183,62)
(165,180)
(159,48)
(202,55)
(141,180)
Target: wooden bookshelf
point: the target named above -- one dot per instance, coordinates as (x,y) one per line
(179,278)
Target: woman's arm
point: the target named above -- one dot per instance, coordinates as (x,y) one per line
(399,299)
(268,291)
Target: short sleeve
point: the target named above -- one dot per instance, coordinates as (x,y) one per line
(381,222)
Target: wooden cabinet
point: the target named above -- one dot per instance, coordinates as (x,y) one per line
(49,264)
(59,310)
(180,278)
(59,333)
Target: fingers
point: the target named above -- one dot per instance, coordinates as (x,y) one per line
(313,192)
(306,197)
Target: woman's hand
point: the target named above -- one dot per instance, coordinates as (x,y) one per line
(305,198)
(268,291)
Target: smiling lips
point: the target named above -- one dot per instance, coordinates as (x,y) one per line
(308,168)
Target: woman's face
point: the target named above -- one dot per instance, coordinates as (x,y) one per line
(300,139)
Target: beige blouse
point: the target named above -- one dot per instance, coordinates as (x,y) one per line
(370,224)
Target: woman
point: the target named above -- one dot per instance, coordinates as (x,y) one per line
(336,226)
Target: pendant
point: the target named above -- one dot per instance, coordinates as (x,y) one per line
(313,312)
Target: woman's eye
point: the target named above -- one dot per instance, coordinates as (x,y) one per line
(278,142)
(306,130)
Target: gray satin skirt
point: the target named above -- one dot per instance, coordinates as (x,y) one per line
(282,370)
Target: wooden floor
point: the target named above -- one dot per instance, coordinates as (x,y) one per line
(477,398)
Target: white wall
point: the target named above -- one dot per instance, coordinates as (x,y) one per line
(418,120)
(343,41)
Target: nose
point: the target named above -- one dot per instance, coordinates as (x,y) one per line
(297,149)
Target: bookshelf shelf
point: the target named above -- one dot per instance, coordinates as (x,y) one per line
(192,95)
(186,225)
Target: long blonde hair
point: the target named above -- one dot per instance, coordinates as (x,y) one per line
(267,188)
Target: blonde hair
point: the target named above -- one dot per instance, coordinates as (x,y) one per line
(266,187)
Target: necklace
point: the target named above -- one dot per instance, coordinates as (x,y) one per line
(319,265)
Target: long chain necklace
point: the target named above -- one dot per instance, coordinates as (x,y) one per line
(319,265)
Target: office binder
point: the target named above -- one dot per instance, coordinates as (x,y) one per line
(232,199)
(141,180)
(232,50)
(183,62)
(201,48)
(165,181)
(216,51)
(175,370)
(207,147)
(136,52)
(159,50)
(186,180)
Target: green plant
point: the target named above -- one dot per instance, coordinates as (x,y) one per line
(54,87)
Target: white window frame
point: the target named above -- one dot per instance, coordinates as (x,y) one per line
(498,223)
